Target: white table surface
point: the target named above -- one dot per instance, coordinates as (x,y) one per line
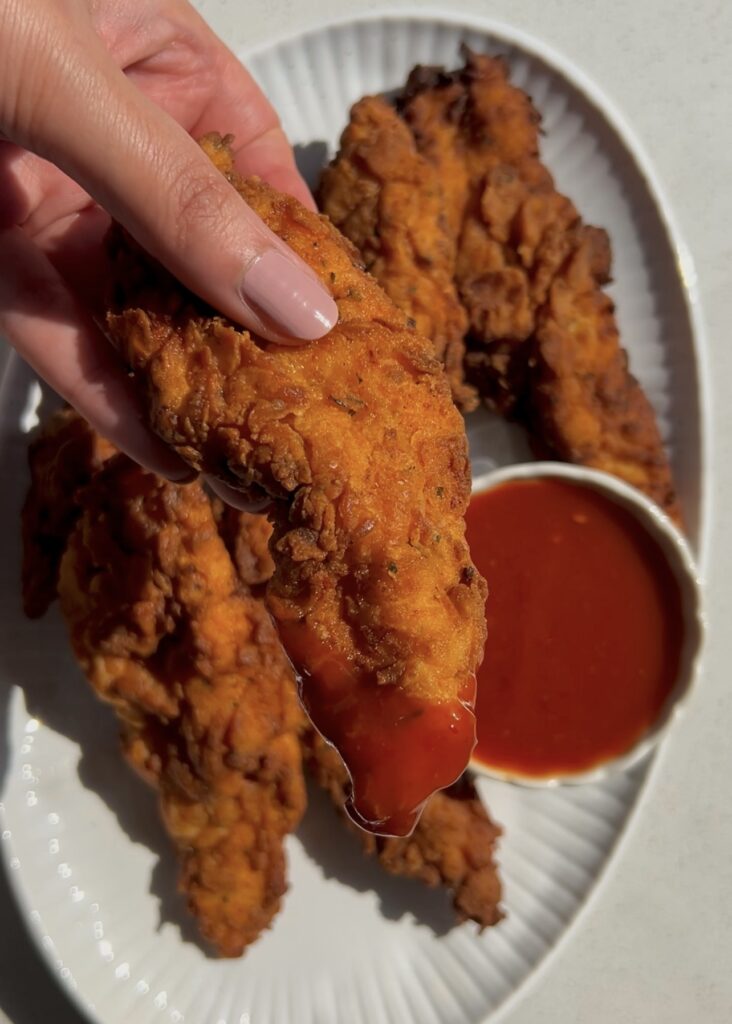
(655,942)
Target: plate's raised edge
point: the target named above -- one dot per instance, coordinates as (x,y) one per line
(607,108)
(690,288)
(29,915)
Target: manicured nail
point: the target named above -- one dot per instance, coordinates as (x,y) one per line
(295,302)
(184,475)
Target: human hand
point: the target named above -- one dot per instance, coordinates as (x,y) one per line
(100,101)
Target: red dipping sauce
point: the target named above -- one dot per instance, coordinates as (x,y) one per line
(585,627)
(398,749)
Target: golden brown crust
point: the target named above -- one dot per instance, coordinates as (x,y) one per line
(197,677)
(355,438)
(62,458)
(584,402)
(452,845)
(513,228)
(543,344)
(157,623)
(247,538)
(387,199)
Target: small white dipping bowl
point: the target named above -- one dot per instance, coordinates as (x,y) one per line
(674,547)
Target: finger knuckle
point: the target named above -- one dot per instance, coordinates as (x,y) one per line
(198,204)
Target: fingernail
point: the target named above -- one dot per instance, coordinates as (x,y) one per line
(184,475)
(252,500)
(296,302)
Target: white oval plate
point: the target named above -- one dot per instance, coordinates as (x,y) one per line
(87,856)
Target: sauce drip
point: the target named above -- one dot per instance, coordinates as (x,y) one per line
(584,627)
(398,748)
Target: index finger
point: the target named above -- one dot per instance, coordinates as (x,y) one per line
(239,107)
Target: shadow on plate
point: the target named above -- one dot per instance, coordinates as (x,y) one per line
(337,850)
(36,657)
(311,158)
(28,991)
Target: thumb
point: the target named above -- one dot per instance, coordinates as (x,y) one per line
(148,173)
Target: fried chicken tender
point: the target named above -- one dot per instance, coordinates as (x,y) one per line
(247,538)
(543,341)
(386,198)
(513,228)
(61,459)
(206,699)
(357,441)
(584,403)
(452,844)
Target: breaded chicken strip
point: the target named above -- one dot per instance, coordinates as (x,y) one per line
(387,199)
(247,538)
(357,441)
(196,675)
(583,402)
(543,342)
(62,458)
(452,844)
(513,229)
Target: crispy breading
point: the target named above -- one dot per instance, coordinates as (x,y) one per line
(247,538)
(452,844)
(193,668)
(513,228)
(584,403)
(387,199)
(454,841)
(357,441)
(430,104)
(543,342)
(62,458)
